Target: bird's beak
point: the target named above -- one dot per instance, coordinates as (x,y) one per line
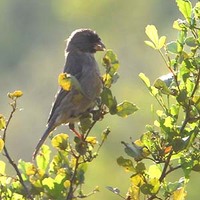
(100,46)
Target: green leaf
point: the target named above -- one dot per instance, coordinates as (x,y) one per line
(109,100)
(126,163)
(134,151)
(111,62)
(85,123)
(81,173)
(191,42)
(179,144)
(172,47)
(43,158)
(162,86)
(27,169)
(81,146)
(185,8)
(126,108)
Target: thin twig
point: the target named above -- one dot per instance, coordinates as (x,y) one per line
(7,155)
(166,166)
(70,193)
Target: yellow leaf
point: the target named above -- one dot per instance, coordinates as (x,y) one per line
(137,180)
(67,184)
(179,194)
(1,144)
(2,122)
(154,171)
(60,141)
(15,94)
(2,167)
(30,170)
(65,81)
(92,140)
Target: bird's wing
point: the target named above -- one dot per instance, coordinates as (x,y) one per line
(73,66)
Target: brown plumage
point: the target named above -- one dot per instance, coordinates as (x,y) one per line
(80,63)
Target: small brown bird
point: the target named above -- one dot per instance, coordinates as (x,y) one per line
(80,63)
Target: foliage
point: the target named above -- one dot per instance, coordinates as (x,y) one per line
(61,175)
(172,141)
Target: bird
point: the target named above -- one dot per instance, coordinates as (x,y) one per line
(80,63)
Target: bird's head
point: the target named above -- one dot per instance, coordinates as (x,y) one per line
(84,40)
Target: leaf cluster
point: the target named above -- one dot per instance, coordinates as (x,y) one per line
(172,141)
(61,175)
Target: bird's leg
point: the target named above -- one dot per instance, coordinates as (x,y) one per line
(72,128)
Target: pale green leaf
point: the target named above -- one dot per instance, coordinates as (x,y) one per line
(152,33)
(185,8)
(149,43)
(145,79)
(126,108)
(161,42)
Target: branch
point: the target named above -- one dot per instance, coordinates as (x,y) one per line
(7,155)
(70,193)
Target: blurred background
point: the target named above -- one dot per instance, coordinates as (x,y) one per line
(32,55)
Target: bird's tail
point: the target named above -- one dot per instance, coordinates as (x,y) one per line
(42,140)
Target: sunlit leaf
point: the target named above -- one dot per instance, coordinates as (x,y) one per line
(2,122)
(145,79)
(60,141)
(161,42)
(67,81)
(156,185)
(2,167)
(154,171)
(26,168)
(179,194)
(48,182)
(126,108)
(152,33)
(1,144)
(15,94)
(185,8)
(137,179)
(149,43)
(92,140)
(67,184)
(43,158)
